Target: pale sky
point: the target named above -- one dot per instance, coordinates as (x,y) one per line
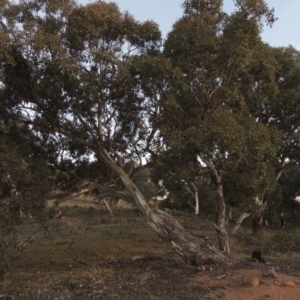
(286,30)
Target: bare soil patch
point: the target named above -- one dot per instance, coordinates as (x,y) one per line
(250,284)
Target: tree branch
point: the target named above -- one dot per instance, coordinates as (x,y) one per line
(211,167)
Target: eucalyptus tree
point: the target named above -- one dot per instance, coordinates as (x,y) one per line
(92,75)
(271,90)
(205,113)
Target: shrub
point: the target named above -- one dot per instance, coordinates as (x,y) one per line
(283,242)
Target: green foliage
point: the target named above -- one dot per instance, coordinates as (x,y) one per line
(290,183)
(142,180)
(289,190)
(206,109)
(283,242)
(104,64)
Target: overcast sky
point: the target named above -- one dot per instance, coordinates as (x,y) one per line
(286,31)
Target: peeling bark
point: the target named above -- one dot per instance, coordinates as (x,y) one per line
(193,250)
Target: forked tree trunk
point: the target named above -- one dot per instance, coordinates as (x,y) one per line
(193,250)
(259,220)
(221,218)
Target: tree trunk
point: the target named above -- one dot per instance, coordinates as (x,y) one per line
(221,220)
(257,224)
(282,219)
(107,204)
(229,215)
(239,222)
(258,219)
(196,196)
(193,250)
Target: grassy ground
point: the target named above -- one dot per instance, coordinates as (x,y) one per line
(88,255)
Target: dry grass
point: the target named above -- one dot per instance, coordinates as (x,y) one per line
(86,251)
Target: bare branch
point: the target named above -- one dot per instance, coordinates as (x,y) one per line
(94,189)
(211,167)
(239,222)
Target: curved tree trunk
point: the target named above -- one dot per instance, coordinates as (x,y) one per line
(193,250)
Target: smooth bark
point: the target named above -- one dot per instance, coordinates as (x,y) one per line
(239,222)
(194,251)
(221,217)
(107,205)
(220,222)
(196,196)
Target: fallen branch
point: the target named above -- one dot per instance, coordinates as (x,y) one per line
(91,188)
(30,239)
(146,257)
(220,277)
(80,261)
